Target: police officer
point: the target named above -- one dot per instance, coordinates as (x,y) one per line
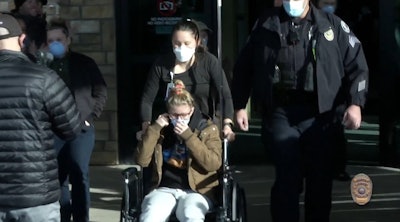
(299,64)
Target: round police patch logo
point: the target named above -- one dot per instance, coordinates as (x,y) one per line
(329,35)
(345,27)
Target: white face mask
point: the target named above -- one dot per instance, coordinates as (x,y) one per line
(184,53)
(182,121)
(294,8)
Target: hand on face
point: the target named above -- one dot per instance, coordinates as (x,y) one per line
(180,117)
(162,120)
(180,127)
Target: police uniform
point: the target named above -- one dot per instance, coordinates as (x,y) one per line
(300,71)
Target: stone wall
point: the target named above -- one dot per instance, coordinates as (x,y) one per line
(93,34)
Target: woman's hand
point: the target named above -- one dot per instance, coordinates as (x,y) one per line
(180,127)
(228,132)
(162,120)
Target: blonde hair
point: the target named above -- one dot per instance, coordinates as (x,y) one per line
(179,96)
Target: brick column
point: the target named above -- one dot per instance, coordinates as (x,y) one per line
(92,24)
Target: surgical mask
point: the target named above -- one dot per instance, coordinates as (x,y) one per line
(330,9)
(182,121)
(57,49)
(294,8)
(184,53)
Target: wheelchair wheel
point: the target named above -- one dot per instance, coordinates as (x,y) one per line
(132,195)
(238,204)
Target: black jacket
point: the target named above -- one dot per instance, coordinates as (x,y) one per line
(34,104)
(341,68)
(87,86)
(205,79)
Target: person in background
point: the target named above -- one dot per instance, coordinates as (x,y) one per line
(30,12)
(328,6)
(35,104)
(284,67)
(29,8)
(185,149)
(197,68)
(205,33)
(205,43)
(83,78)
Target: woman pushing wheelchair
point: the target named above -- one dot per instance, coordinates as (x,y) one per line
(185,149)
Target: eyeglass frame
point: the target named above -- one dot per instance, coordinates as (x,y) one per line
(179,115)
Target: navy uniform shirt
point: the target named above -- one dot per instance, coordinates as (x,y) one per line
(295,64)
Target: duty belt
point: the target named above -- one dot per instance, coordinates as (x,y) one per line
(294,97)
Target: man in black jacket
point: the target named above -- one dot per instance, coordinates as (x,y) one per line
(300,64)
(86,83)
(34,104)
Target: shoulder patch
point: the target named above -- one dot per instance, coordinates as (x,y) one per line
(345,27)
(353,40)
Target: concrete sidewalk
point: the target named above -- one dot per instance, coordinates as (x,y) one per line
(107,186)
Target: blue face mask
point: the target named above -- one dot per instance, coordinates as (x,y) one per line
(57,49)
(294,8)
(182,121)
(330,9)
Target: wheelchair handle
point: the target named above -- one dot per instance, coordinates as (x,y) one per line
(128,172)
(225,152)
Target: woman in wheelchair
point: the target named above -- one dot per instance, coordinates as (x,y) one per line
(185,149)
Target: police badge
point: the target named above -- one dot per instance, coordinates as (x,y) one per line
(329,35)
(361,189)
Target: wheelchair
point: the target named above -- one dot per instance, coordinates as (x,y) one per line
(231,208)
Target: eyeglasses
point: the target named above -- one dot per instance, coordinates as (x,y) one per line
(179,115)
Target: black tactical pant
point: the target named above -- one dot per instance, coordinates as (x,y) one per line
(300,143)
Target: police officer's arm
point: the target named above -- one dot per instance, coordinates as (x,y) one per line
(356,75)
(243,75)
(355,66)
(243,79)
